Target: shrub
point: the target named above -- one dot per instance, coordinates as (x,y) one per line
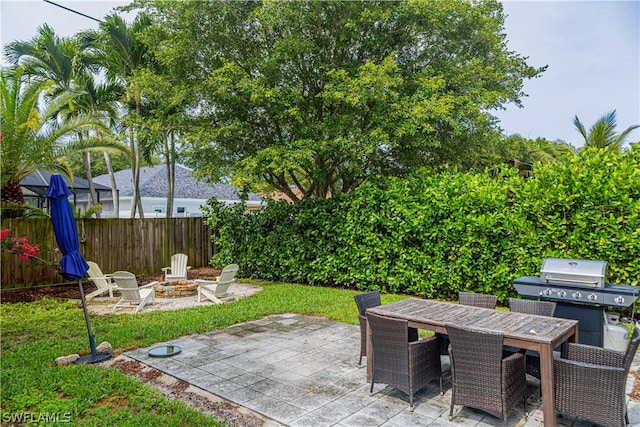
(434,235)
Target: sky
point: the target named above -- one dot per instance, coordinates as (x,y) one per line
(592,49)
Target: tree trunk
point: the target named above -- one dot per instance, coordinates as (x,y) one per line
(137,200)
(135,171)
(171,171)
(114,187)
(86,161)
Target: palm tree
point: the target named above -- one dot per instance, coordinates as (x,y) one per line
(603,132)
(61,61)
(32,135)
(102,100)
(99,100)
(122,54)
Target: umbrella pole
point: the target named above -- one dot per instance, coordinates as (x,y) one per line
(92,340)
(94,357)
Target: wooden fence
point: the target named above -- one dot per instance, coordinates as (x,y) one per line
(141,246)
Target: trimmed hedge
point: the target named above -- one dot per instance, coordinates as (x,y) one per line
(433,235)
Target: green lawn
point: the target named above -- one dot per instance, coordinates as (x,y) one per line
(34,334)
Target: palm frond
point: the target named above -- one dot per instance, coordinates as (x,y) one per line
(602,134)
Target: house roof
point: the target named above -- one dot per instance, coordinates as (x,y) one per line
(37,183)
(153,183)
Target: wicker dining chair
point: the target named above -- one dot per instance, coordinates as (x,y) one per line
(531,306)
(368,300)
(540,308)
(399,361)
(590,381)
(482,377)
(468,298)
(477,300)
(364,301)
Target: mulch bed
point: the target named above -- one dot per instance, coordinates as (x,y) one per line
(71,290)
(224,411)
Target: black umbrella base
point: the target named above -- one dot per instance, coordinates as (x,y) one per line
(93,358)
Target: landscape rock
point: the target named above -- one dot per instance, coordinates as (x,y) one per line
(104,347)
(67,360)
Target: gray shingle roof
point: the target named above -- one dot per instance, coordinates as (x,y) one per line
(153,183)
(38,182)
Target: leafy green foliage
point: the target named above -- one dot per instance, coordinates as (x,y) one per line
(589,208)
(434,235)
(326,95)
(72,97)
(522,153)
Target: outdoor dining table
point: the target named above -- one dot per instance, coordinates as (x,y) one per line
(527,331)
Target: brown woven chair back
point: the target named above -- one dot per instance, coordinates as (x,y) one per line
(400,362)
(529,306)
(367,300)
(477,300)
(631,349)
(540,308)
(390,349)
(590,382)
(482,379)
(364,301)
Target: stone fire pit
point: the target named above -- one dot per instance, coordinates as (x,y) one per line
(176,288)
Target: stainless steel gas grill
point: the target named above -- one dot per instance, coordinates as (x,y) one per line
(573,272)
(581,292)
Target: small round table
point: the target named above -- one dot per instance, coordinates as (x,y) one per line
(164,351)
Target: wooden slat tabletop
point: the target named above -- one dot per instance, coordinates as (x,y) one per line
(515,325)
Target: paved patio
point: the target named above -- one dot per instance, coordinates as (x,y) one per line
(303,371)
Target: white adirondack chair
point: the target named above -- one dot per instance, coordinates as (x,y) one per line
(131,292)
(104,282)
(218,291)
(178,269)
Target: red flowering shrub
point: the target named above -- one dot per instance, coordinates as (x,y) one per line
(25,250)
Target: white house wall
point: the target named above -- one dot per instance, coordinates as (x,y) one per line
(155,207)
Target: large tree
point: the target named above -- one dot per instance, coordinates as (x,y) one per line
(101,99)
(323,95)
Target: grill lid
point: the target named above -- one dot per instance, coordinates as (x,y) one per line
(573,272)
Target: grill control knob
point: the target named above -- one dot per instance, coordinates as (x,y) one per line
(547,292)
(592,297)
(562,294)
(576,295)
(619,300)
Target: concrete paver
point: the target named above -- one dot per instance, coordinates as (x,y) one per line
(303,371)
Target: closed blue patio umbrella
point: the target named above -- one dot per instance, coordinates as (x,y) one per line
(74,267)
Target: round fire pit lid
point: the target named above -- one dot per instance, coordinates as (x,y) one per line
(164,351)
